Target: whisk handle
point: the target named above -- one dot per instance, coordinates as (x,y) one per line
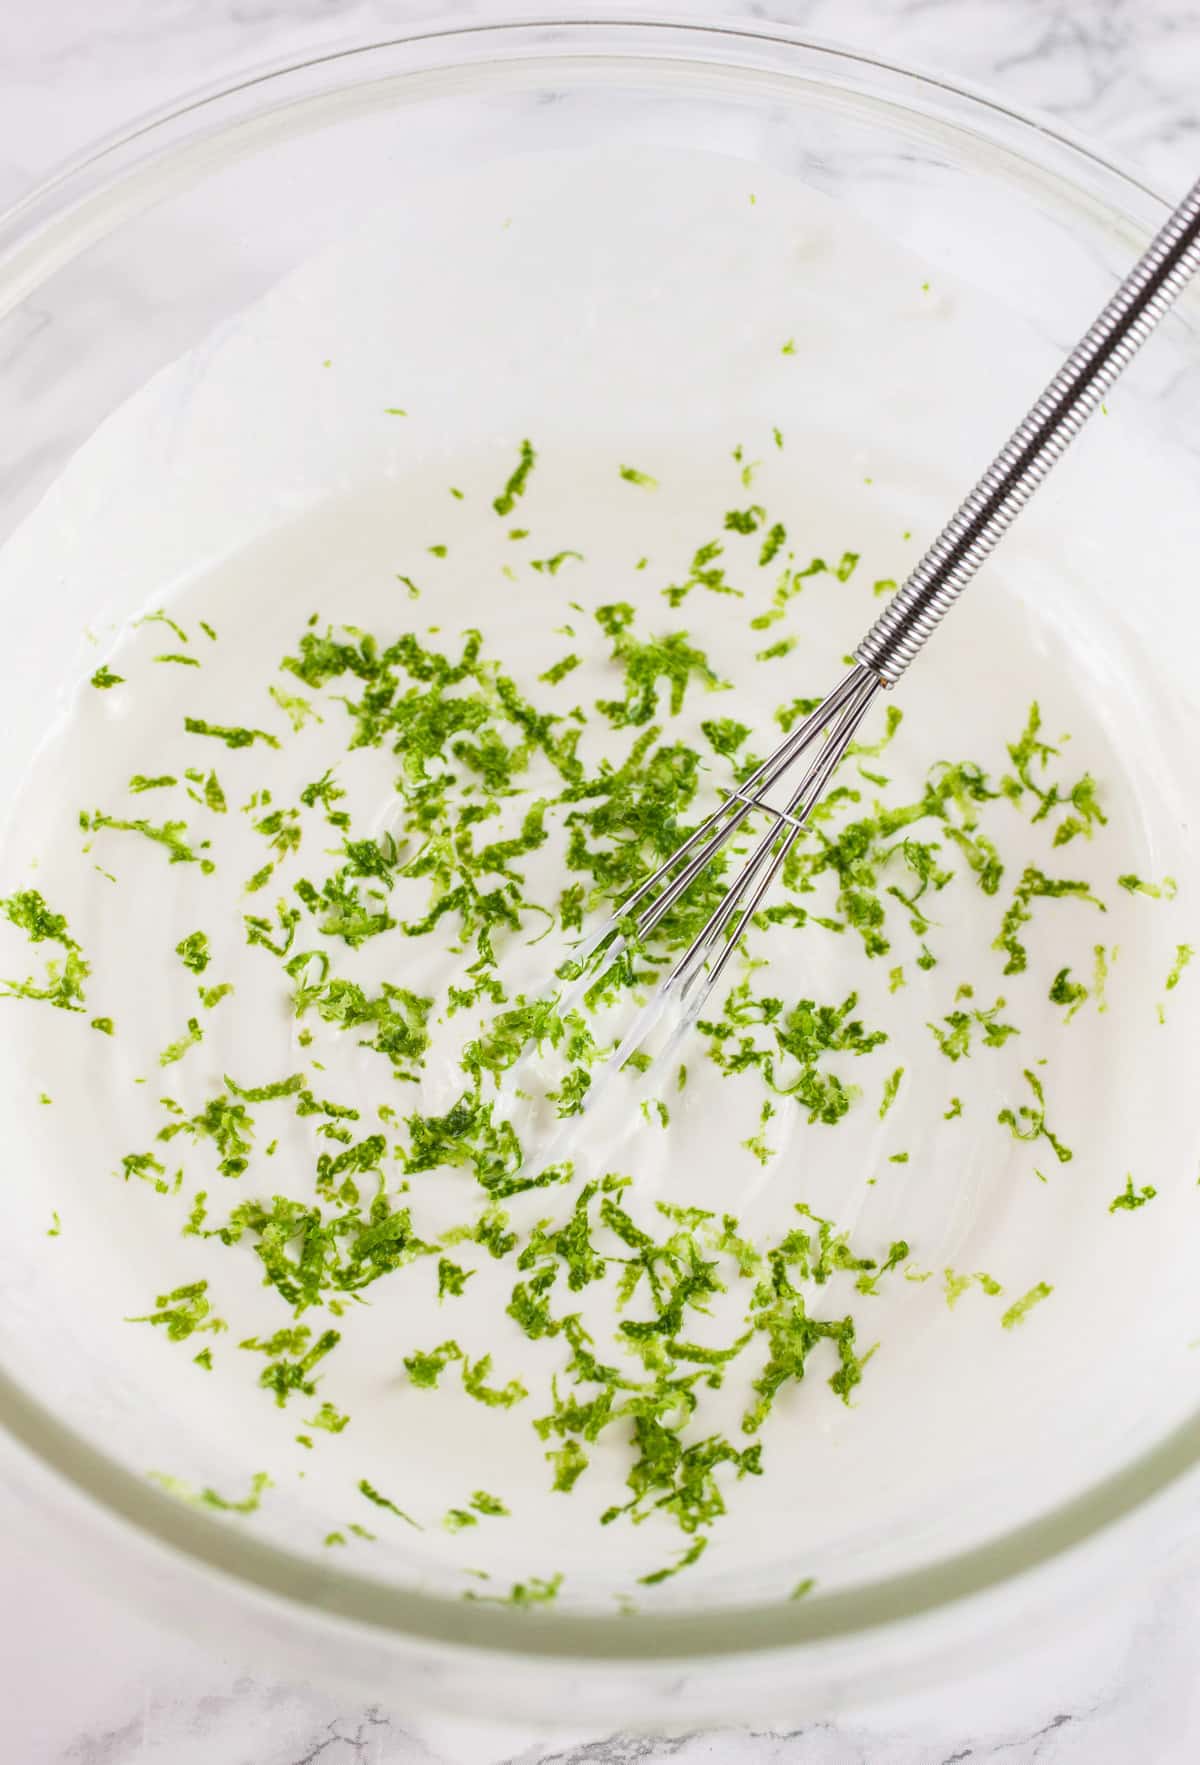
(1035,445)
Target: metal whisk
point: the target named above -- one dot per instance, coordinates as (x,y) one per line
(889,646)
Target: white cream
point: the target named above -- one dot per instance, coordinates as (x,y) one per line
(261,481)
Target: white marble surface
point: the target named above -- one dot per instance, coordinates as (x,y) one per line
(83,1682)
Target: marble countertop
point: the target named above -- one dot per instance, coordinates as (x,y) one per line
(84,1682)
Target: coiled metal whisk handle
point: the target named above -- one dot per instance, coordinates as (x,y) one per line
(1035,445)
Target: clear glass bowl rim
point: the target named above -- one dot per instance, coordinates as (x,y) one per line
(55,222)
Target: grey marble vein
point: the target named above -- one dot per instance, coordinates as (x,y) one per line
(84,1683)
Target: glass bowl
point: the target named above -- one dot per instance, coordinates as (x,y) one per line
(144,249)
